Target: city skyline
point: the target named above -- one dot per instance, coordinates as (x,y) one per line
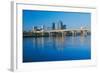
(47,18)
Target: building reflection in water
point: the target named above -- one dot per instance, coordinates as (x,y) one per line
(56,48)
(38,42)
(58,42)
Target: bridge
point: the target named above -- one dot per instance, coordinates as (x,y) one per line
(64,31)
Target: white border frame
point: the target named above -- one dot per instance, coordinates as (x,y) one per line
(16,51)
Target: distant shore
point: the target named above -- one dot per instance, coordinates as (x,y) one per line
(53,34)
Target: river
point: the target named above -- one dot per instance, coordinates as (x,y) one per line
(41,49)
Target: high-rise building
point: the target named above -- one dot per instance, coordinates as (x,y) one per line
(53,25)
(42,27)
(60,25)
(35,28)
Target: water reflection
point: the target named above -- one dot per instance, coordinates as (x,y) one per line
(56,48)
(59,42)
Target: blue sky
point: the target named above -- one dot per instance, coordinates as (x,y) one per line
(70,19)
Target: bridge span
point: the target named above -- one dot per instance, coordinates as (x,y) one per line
(64,31)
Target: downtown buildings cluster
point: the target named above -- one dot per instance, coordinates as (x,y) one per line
(54,26)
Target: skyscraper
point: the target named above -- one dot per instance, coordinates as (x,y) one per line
(53,25)
(60,25)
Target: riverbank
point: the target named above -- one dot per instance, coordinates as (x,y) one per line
(53,34)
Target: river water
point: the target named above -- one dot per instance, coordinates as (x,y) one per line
(41,49)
